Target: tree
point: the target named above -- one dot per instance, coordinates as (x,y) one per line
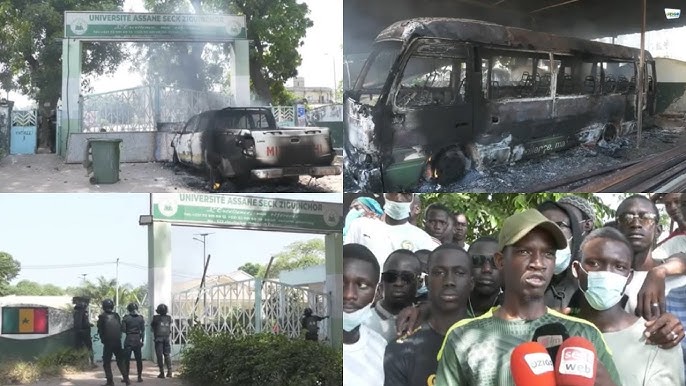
(251,268)
(31,51)
(486,212)
(9,269)
(276,29)
(32,288)
(300,254)
(105,288)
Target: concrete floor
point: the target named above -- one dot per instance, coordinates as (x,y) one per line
(97,377)
(48,173)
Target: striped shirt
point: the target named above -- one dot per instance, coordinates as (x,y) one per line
(363,360)
(477,351)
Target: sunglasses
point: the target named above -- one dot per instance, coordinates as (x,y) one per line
(480,260)
(644,218)
(392,276)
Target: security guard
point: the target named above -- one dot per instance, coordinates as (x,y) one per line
(109,330)
(311,324)
(134,328)
(161,327)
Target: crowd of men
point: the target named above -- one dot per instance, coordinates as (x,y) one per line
(552,298)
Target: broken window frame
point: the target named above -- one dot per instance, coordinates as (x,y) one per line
(372,96)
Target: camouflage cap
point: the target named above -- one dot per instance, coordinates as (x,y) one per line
(520,224)
(580,203)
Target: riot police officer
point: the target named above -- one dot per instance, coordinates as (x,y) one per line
(161,327)
(82,326)
(109,330)
(310,324)
(133,326)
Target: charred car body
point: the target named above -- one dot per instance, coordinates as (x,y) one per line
(439,96)
(241,143)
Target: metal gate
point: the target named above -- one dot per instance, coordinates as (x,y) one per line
(23,133)
(246,307)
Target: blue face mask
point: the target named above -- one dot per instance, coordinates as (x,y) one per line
(353,320)
(397,210)
(562,259)
(352,215)
(605,289)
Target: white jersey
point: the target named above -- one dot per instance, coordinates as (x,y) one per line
(636,283)
(382,239)
(363,360)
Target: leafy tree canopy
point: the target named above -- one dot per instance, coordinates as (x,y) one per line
(300,254)
(9,269)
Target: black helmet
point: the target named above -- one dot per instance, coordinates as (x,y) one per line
(162,309)
(108,305)
(132,307)
(308,311)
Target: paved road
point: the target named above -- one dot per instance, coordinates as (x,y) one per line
(97,378)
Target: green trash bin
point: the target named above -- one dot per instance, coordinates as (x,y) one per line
(102,159)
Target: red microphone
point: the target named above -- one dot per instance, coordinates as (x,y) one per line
(576,364)
(531,365)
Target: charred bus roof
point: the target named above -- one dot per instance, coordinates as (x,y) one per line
(503,36)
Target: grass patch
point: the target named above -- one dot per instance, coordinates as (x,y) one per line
(54,364)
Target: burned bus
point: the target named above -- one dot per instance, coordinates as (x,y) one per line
(439,96)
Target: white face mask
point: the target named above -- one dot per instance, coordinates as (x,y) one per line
(605,289)
(354,319)
(562,259)
(397,210)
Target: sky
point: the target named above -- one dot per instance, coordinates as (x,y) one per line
(58,237)
(322,51)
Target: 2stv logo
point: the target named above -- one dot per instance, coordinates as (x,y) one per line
(577,361)
(539,363)
(671,13)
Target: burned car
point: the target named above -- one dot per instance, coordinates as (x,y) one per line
(235,144)
(438,97)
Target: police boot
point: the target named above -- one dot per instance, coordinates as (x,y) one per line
(161,374)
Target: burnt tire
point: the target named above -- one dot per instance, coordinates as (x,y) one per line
(450,166)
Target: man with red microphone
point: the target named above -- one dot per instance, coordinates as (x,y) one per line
(477,351)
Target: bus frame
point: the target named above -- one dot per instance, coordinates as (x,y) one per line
(476,107)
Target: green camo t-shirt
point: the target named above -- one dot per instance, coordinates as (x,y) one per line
(476,352)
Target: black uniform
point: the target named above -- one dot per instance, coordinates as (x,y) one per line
(161,327)
(82,327)
(134,328)
(411,360)
(311,325)
(109,330)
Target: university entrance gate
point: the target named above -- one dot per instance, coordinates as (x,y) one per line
(249,306)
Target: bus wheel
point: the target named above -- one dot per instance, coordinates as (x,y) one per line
(450,166)
(609,132)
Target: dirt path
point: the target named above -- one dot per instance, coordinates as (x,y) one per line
(97,378)
(48,173)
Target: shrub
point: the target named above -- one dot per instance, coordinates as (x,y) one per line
(261,359)
(53,364)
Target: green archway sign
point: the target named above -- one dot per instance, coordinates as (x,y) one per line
(248,212)
(239,211)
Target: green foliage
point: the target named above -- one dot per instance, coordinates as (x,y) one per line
(9,269)
(300,254)
(106,289)
(53,364)
(276,29)
(260,359)
(31,288)
(486,212)
(251,268)
(31,48)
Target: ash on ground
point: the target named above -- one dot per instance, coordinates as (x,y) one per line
(530,175)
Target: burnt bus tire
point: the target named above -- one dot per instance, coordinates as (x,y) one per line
(450,166)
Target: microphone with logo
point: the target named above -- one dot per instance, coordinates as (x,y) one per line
(531,365)
(576,364)
(551,336)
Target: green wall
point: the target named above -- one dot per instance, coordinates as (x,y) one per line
(336,132)
(29,349)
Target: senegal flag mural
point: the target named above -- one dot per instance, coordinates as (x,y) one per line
(24,320)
